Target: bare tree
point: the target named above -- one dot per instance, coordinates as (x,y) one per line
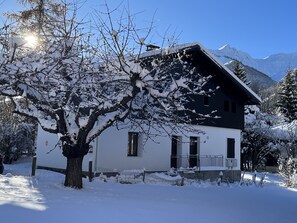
(77,84)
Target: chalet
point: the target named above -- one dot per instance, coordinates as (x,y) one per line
(216,149)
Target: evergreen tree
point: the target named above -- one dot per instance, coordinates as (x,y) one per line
(287,96)
(240,72)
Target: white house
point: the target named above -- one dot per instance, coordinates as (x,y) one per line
(216,149)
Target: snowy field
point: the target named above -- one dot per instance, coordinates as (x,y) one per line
(43,199)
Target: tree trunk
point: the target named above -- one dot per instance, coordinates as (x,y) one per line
(73,176)
(74,154)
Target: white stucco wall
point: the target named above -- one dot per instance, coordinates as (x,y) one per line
(113,147)
(49,154)
(110,150)
(155,155)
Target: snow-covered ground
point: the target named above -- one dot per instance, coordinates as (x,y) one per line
(43,199)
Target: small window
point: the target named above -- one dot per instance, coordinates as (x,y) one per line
(226,105)
(230,148)
(133,143)
(233,107)
(206,100)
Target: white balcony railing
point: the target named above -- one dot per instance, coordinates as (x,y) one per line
(190,161)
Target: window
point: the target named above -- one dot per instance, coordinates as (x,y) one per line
(132,143)
(233,107)
(174,144)
(206,100)
(226,105)
(176,151)
(230,148)
(194,153)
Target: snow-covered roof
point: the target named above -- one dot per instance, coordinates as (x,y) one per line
(170,50)
(252,96)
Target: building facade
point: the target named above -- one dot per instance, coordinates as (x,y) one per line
(215,148)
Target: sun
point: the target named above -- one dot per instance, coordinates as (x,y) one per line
(31,40)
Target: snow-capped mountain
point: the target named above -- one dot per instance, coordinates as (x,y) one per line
(275,66)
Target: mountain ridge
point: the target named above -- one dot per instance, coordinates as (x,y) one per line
(275,65)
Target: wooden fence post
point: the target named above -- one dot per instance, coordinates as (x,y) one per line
(143,177)
(33,166)
(90,171)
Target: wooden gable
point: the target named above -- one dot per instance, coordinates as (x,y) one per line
(228,100)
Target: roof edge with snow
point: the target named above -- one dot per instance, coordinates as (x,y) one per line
(195,46)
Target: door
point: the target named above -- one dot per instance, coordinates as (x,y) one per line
(194,152)
(230,148)
(173,162)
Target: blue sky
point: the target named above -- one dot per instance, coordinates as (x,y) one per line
(259,27)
